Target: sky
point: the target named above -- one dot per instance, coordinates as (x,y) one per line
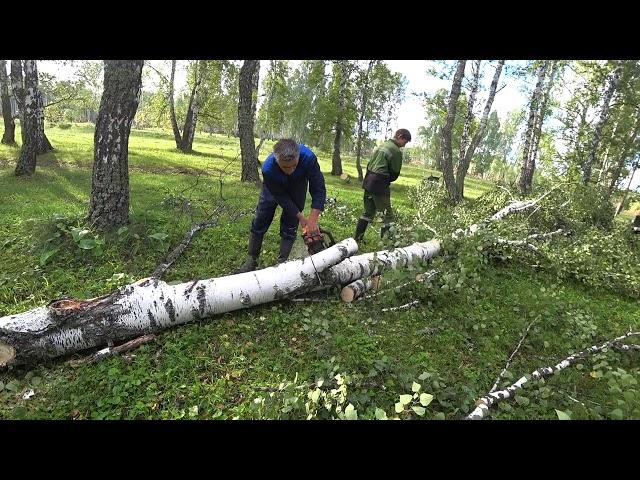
(410,114)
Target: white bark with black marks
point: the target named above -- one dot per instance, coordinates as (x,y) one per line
(26,164)
(447,131)
(364,97)
(109,204)
(526,171)
(468,118)
(465,158)
(612,87)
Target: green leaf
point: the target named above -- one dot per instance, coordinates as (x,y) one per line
(524,401)
(350,412)
(616,414)
(399,407)
(381,414)
(424,376)
(315,395)
(416,387)
(419,410)
(405,399)
(122,230)
(425,399)
(47,255)
(439,416)
(87,243)
(562,415)
(159,236)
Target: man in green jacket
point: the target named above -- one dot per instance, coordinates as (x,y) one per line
(383,168)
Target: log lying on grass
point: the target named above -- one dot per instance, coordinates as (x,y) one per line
(149,305)
(358,288)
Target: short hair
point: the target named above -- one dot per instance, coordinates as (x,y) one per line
(286,149)
(403,133)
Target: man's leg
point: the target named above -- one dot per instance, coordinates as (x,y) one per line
(264,216)
(366,218)
(383,204)
(289,230)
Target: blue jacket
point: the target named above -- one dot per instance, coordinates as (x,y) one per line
(290,191)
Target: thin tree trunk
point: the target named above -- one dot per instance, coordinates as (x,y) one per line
(44,145)
(447,130)
(468,119)
(172,107)
(109,205)
(537,132)
(465,160)
(623,157)
(363,108)
(246,109)
(336,161)
(602,175)
(614,81)
(8,137)
(191,118)
(27,160)
(626,191)
(526,172)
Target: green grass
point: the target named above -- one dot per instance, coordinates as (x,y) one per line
(222,364)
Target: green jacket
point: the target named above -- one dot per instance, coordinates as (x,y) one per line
(386,160)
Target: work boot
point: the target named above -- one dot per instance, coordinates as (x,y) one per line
(385,230)
(286,244)
(360,229)
(255,245)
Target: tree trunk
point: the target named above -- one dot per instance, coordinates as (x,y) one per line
(626,191)
(526,171)
(8,137)
(109,206)
(465,159)
(147,306)
(248,73)
(44,145)
(191,119)
(602,175)
(27,160)
(363,108)
(537,132)
(468,119)
(447,130)
(615,176)
(172,107)
(336,161)
(614,81)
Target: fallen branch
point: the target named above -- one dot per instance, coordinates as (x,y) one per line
(402,307)
(484,403)
(495,385)
(110,351)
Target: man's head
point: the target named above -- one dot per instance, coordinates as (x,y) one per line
(402,136)
(287,153)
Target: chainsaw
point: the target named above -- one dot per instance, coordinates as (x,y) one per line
(317,243)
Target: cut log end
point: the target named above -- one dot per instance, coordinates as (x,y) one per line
(7,354)
(376,283)
(347,294)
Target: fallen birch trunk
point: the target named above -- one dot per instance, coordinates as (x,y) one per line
(149,305)
(484,403)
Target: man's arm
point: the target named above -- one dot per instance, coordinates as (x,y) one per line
(395,165)
(318,193)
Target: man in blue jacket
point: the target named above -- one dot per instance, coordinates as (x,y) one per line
(286,174)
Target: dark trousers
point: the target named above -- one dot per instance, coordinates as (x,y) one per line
(266,209)
(381,202)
